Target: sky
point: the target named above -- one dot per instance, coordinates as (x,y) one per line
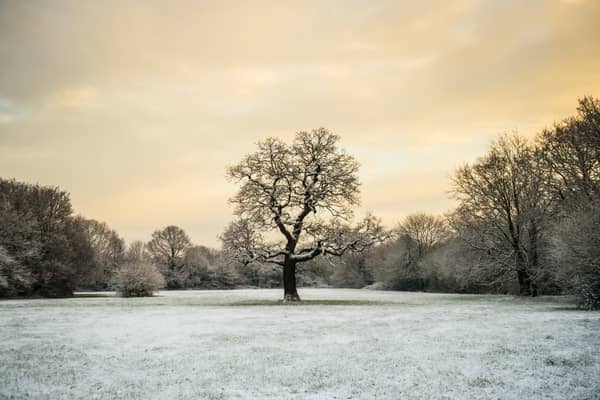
(137,107)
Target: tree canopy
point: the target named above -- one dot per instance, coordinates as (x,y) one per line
(305,192)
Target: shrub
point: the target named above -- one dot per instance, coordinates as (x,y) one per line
(138,279)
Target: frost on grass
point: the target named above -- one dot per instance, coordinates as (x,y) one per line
(345,344)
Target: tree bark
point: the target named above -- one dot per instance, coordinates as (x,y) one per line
(533,251)
(526,286)
(524,283)
(290,293)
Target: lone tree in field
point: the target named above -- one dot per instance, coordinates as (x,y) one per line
(304,193)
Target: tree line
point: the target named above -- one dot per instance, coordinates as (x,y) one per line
(46,250)
(527,222)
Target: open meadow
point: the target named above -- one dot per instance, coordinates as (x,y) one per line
(337,343)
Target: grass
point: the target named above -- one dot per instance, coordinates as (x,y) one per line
(245,344)
(340,302)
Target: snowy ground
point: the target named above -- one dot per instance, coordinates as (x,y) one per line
(344,344)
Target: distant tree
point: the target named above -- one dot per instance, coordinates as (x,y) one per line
(222,274)
(242,247)
(399,263)
(425,231)
(138,251)
(168,247)
(350,271)
(449,266)
(571,157)
(80,251)
(503,199)
(395,265)
(19,235)
(576,251)
(305,193)
(39,234)
(257,274)
(317,272)
(241,242)
(109,252)
(14,278)
(418,235)
(194,272)
(571,154)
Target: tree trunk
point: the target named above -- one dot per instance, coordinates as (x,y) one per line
(524,283)
(290,293)
(526,286)
(533,251)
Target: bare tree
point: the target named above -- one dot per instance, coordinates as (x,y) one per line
(418,235)
(138,251)
(304,192)
(14,277)
(168,248)
(40,234)
(576,254)
(503,198)
(571,154)
(108,248)
(241,242)
(426,231)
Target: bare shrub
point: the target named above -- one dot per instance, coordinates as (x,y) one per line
(138,278)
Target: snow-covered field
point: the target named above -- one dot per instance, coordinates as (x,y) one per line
(340,344)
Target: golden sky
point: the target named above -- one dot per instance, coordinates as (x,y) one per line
(137,107)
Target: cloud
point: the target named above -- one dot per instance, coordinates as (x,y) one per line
(118,102)
(81,97)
